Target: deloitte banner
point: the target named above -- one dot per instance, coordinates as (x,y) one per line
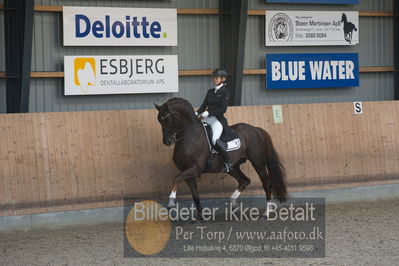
(345,2)
(105,26)
(288,71)
(305,28)
(89,75)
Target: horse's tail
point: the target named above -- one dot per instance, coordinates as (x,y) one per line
(275,169)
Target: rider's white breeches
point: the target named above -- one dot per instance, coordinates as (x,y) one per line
(216,126)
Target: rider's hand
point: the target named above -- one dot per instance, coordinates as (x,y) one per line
(205,114)
(196,113)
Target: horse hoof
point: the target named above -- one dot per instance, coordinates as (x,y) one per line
(234,205)
(171,204)
(265,215)
(199,218)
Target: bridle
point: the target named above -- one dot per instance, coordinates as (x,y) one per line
(175,132)
(181,131)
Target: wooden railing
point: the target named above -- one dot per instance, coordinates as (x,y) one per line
(80,160)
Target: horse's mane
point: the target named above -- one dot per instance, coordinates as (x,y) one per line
(182,106)
(177,102)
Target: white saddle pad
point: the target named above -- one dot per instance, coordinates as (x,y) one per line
(233,145)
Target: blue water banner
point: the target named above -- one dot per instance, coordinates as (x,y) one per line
(345,2)
(319,70)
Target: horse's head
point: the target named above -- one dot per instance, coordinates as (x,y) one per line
(280,30)
(173,115)
(343,18)
(167,118)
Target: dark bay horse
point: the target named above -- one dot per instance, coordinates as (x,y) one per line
(181,126)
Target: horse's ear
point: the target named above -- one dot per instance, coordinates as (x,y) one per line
(157,106)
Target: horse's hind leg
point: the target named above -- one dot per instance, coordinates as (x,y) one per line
(243,182)
(267,185)
(258,161)
(266,182)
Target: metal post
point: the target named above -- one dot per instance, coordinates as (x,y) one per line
(233,24)
(18,22)
(396,48)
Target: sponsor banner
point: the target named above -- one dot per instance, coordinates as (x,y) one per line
(305,28)
(90,75)
(105,26)
(288,71)
(345,2)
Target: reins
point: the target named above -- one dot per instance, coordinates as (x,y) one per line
(181,131)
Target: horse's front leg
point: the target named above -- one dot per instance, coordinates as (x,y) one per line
(172,197)
(194,191)
(192,172)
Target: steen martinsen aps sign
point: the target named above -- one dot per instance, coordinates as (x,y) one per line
(310,28)
(319,70)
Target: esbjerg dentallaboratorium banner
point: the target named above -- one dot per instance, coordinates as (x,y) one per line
(319,70)
(92,75)
(344,2)
(106,26)
(309,28)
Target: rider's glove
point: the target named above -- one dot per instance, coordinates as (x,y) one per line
(196,113)
(205,114)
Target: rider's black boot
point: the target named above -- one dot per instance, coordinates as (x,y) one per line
(228,166)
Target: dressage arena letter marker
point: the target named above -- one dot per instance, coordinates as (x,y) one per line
(358,107)
(278,114)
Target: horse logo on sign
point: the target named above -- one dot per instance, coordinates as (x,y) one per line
(349,27)
(281,28)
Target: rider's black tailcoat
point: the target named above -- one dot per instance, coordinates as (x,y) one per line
(216,104)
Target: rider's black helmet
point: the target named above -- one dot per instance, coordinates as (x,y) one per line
(218,72)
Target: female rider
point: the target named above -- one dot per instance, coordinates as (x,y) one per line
(212,112)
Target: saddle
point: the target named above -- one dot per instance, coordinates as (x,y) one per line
(232,145)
